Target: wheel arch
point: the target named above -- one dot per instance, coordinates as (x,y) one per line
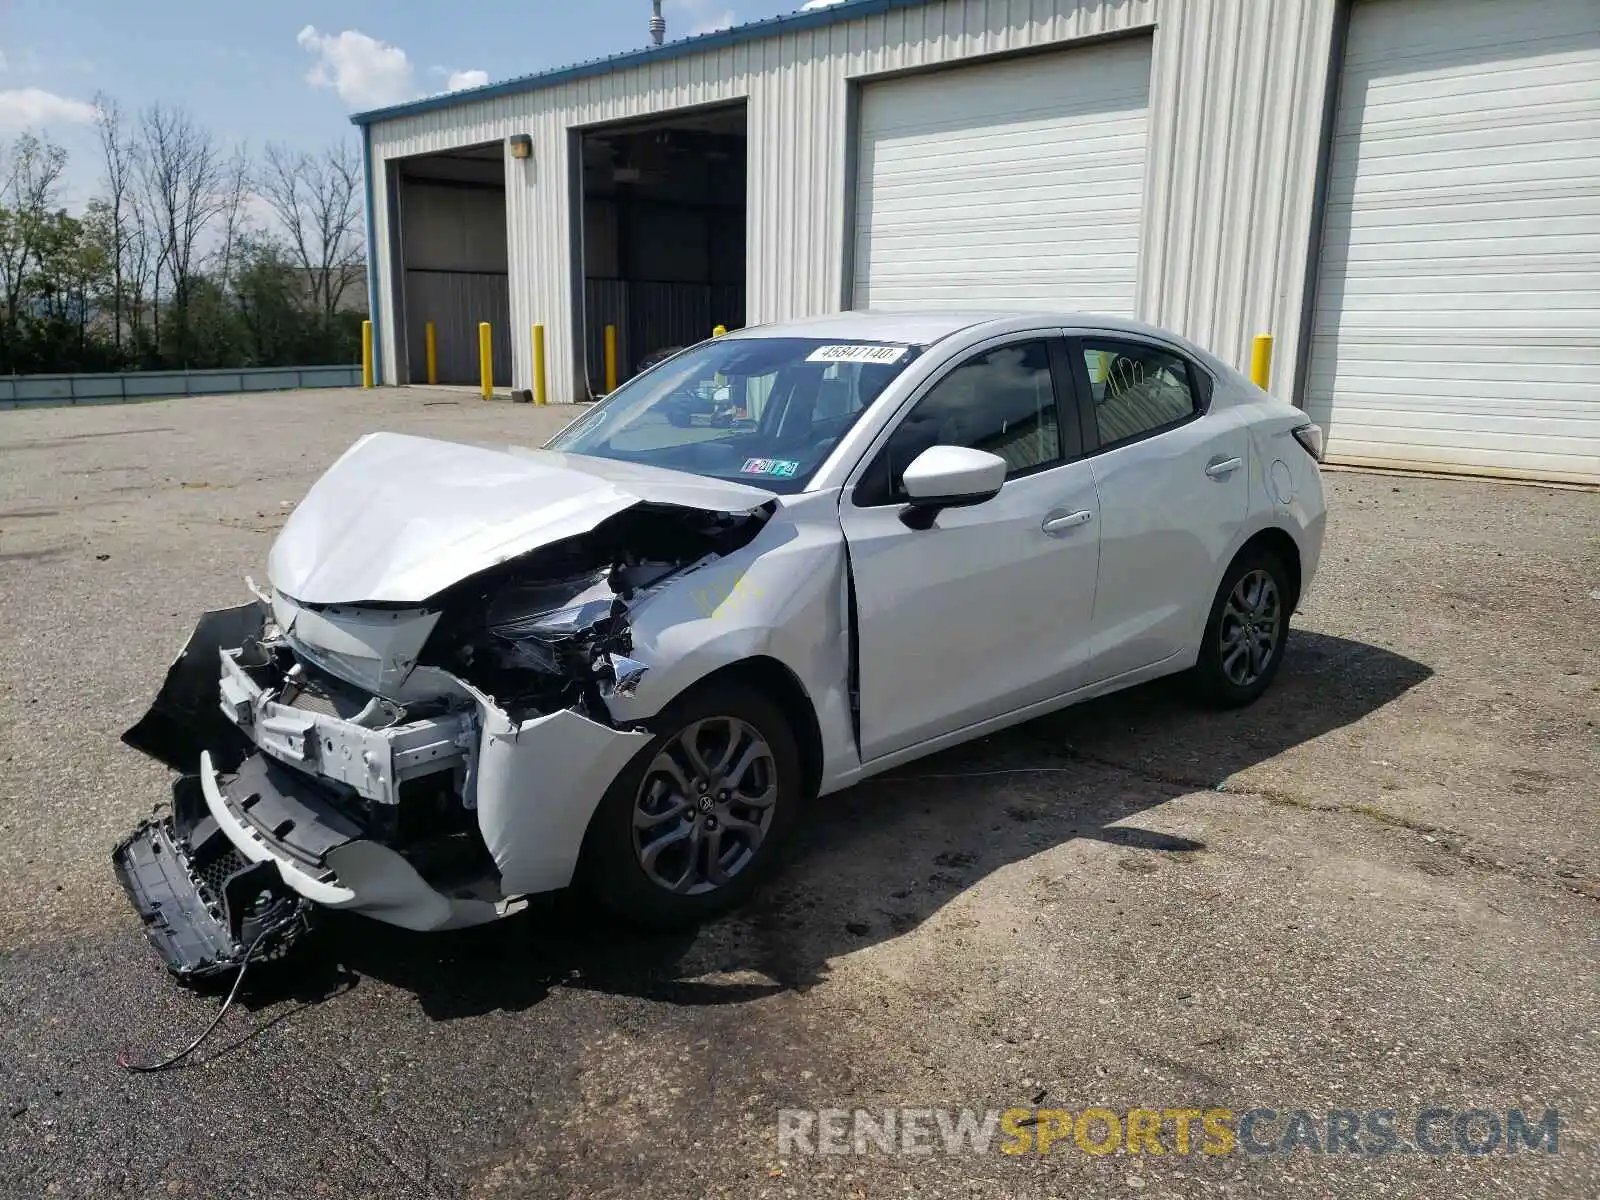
(1278,542)
(775,679)
(597,858)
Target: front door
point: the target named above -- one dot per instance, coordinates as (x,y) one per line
(990,609)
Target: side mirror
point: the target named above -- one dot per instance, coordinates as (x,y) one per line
(949,477)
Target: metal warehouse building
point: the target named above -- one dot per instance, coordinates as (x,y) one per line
(1405,193)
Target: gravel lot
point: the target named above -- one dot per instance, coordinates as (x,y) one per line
(1375,889)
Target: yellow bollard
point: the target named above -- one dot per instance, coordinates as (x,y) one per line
(486,359)
(611,359)
(540,395)
(433,354)
(718,330)
(366,354)
(1261,361)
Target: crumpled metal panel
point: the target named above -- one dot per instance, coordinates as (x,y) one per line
(398,519)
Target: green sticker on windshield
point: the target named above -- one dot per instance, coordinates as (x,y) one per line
(778,468)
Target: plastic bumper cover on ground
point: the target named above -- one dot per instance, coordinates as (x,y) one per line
(204,906)
(241,860)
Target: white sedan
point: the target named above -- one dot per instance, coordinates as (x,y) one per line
(630,659)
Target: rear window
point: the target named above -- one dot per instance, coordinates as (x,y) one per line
(1137,389)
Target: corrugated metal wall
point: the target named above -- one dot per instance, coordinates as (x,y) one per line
(456,301)
(454,227)
(456,275)
(684,275)
(651,317)
(1236,108)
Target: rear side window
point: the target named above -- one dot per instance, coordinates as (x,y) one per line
(1137,389)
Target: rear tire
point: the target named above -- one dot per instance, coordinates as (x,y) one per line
(1246,631)
(663,851)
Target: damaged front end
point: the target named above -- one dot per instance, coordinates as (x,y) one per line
(426,762)
(551,630)
(205,905)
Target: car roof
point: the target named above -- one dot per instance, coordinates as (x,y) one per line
(921,328)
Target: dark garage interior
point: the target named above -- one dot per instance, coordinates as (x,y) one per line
(452,246)
(663,234)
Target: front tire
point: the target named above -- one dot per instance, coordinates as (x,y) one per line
(698,818)
(1245,632)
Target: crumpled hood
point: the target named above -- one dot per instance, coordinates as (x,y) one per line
(398,518)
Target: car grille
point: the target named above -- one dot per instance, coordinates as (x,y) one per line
(216,872)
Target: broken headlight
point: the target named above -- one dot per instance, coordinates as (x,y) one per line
(538,617)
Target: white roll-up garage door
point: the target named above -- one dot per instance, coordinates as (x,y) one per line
(1012,184)
(1458,309)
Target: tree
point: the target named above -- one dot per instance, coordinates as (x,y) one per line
(219,335)
(317,200)
(139,265)
(30,178)
(119,166)
(91,264)
(182,174)
(269,303)
(270,293)
(235,216)
(167,266)
(71,267)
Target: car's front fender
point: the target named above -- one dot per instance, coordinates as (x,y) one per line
(784,596)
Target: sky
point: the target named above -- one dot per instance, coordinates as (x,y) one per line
(291,71)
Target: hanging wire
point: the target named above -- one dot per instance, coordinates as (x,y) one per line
(123,1059)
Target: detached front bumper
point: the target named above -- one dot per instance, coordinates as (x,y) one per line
(244,856)
(203,904)
(275,816)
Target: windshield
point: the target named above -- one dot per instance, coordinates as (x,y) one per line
(764,411)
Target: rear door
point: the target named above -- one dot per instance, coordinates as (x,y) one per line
(1173,481)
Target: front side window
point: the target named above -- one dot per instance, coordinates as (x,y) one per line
(1137,389)
(763,411)
(1002,401)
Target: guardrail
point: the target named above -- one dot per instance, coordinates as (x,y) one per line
(45,391)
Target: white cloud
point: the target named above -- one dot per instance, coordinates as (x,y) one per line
(704,16)
(365,72)
(466,79)
(24,107)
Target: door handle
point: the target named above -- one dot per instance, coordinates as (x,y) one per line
(1224,467)
(1055,525)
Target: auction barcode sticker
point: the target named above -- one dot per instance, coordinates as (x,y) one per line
(857,354)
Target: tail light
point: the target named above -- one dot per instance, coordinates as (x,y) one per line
(1310,436)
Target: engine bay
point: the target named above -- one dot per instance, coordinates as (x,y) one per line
(549,630)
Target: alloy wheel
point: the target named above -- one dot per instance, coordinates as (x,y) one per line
(704,806)
(1252,624)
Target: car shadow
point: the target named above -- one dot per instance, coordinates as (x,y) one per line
(878,859)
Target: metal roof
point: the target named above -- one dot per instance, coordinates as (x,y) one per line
(846,10)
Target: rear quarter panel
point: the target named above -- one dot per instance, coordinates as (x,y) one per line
(1285,481)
